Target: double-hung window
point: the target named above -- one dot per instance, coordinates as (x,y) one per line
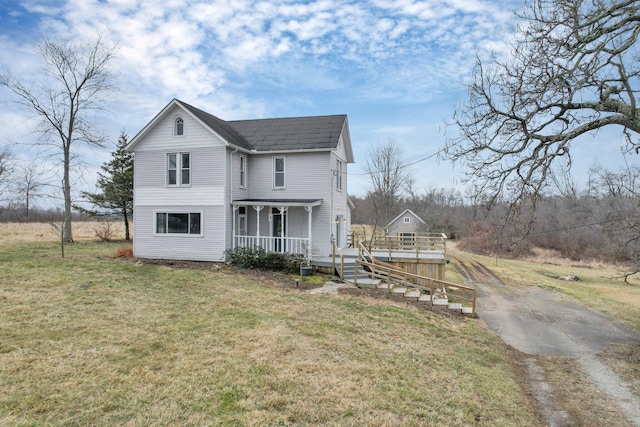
(243,171)
(178,169)
(179,223)
(278,172)
(339,175)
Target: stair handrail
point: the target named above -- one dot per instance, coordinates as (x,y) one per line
(385,271)
(436,287)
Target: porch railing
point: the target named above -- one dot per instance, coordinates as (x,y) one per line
(285,245)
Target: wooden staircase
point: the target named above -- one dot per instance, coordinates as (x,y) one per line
(364,271)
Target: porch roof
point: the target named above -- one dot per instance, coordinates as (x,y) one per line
(278,202)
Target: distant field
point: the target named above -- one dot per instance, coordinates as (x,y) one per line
(41,231)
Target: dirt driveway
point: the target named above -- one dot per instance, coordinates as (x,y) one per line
(577,365)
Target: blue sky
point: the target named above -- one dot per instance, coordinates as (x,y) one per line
(397,68)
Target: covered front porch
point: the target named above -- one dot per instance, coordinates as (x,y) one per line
(276,225)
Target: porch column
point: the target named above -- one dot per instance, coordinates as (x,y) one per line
(309,210)
(283,244)
(233,227)
(258,208)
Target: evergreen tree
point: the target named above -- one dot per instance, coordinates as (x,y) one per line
(116,183)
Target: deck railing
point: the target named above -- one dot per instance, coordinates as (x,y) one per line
(285,245)
(418,244)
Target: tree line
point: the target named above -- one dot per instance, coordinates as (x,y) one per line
(21,184)
(599,221)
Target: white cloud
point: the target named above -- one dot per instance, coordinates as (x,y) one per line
(251,58)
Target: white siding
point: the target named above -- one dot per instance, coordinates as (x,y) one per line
(162,137)
(206,193)
(209,247)
(307,176)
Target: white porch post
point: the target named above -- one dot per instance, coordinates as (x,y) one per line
(283,247)
(309,210)
(258,208)
(233,227)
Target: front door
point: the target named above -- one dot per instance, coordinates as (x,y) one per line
(279,230)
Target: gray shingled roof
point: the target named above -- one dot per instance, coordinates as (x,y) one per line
(293,133)
(221,127)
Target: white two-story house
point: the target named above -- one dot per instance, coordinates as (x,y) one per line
(203,185)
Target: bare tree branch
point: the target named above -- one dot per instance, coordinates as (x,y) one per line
(573,70)
(388,177)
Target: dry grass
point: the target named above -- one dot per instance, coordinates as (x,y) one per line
(92,340)
(125,252)
(42,231)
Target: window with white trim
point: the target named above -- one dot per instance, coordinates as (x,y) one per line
(179,223)
(178,169)
(278,172)
(243,171)
(407,220)
(179,127)
(339,175)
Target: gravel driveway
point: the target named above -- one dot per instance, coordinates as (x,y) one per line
(537,322)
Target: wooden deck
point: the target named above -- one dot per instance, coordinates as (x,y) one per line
(415,269)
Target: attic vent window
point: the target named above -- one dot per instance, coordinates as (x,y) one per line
(179,126)
(407,220)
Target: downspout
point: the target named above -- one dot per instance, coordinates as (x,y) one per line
(332,238)
(233,212)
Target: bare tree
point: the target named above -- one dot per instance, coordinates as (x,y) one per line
(30,179)
(75,79)
(573,70)
(388,176)
(6,169)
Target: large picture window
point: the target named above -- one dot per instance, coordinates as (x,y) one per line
(179,223)
(178,169)
(278,172)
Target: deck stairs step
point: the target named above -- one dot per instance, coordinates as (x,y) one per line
(405,289)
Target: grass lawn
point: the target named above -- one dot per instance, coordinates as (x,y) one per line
(92,340)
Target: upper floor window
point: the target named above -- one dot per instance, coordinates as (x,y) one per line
(407,220)
(179,126)
(243,171)
(178,169)
(339,175)
(278,172)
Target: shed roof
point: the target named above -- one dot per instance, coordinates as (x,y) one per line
(402,214)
